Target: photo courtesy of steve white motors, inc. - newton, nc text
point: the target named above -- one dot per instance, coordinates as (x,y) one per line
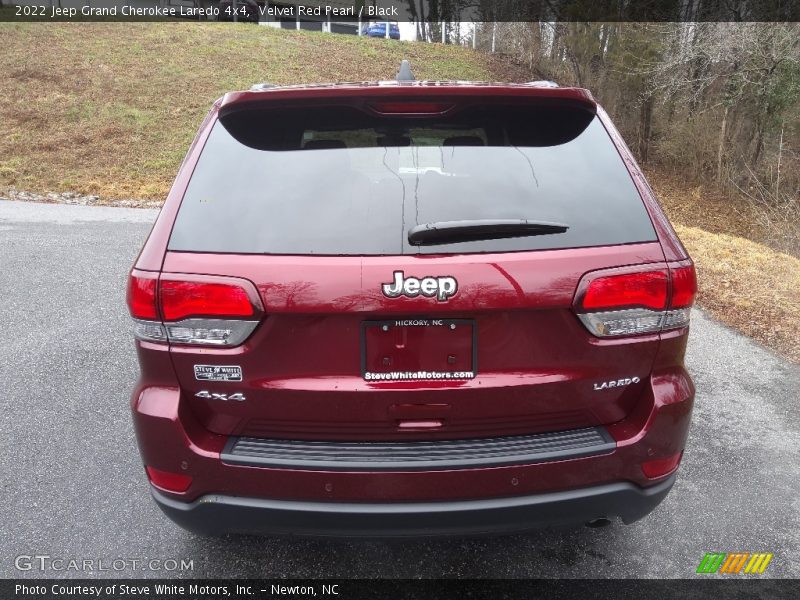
(404,299)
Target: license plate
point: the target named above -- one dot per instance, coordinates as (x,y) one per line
(419,349)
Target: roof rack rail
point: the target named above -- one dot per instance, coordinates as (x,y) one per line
(262,86)
(545,83)
(405,74)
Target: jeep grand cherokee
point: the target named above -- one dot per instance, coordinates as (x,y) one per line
(410,308)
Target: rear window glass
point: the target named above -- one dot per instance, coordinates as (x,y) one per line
(342,181)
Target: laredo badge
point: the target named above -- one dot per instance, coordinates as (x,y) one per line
(217,373)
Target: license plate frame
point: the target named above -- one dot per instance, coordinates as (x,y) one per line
(430,325)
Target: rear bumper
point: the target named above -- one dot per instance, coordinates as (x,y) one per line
(218,514)
(228,493)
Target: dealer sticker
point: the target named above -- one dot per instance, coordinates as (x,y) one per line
(217,373)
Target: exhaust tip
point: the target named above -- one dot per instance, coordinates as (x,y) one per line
(599,522)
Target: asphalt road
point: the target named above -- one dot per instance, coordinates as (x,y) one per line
(72,485)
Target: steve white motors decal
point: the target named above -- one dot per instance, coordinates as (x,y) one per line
(217,373)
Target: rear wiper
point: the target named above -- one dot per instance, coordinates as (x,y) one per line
(453,232)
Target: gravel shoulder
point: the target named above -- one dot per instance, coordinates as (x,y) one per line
(76,199)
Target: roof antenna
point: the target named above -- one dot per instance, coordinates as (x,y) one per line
(405,74)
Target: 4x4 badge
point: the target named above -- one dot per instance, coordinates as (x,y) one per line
(214,396)
(441,288)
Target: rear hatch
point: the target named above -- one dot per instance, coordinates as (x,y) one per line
(412,265)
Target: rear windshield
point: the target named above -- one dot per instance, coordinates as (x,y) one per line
(343,181)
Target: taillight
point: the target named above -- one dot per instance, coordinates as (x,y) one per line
(181,299)
(648,290)
(142,297)
(684,286)
(143,306)
(633,302)
(205,310)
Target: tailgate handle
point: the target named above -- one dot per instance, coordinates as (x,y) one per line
(412,412)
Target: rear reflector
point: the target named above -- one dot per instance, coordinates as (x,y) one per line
(634,303)
(141,297)
(661,466)
(181,299)
(170,482)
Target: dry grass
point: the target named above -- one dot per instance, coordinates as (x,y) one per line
(749,275)
(749,286)
(711,208)
(110,108)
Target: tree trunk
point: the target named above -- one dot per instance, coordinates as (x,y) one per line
(759,144)
(721,144)
(604,33)
(419,16)
(780,156)
(645,123)
(554,49)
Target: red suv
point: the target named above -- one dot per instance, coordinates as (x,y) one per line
(410,308)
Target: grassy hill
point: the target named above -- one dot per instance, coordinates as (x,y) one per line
(110,108)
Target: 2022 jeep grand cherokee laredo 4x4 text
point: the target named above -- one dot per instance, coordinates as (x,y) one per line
(409,308)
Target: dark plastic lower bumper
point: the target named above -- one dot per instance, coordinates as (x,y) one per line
(216,514)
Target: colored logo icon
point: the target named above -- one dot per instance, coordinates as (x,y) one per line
(734,562)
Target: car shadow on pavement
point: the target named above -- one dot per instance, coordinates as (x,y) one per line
(541,553)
